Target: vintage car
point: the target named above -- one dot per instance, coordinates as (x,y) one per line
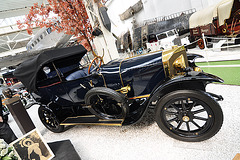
(72,92)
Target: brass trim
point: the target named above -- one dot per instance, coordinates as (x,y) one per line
(144,96)
(109,120)
(97,124)
(186,119)
(171,59)
(124,90)
(198,69)
(167,54)
(83,116)
(91,83)
(103,80)
(224,30)
(79,117)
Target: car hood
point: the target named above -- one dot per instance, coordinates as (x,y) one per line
(124,65)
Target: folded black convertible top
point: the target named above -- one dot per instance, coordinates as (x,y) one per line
(27,71)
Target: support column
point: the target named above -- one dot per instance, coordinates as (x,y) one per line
(20,114)
(104,43)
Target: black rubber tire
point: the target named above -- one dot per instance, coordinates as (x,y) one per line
(210,107)
(30,105)
(51,122)
(108,95)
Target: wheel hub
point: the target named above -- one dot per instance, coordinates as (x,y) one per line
(185,118)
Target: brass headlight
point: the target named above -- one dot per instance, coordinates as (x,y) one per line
(198,69)
(179,63)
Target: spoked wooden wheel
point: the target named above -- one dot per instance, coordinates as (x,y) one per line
(49,120)
(189,115)
(201,43)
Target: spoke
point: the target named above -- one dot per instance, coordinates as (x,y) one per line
(193,105)
(196,124)
(188,127)
(200,118)
(175,107)
(171,113)
(198,111)
(100,98)
(179,125)
(183,106)
(171,120)
(103,109)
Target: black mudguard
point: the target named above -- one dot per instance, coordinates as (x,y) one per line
(192,80)
(192,57)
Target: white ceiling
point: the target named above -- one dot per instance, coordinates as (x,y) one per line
(12,8)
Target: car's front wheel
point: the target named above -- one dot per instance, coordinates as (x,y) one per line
(49,120)
(189,115)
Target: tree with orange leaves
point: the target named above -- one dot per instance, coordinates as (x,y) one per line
(68,16)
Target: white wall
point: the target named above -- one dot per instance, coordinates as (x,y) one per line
(211,2)
(115,8)
(156,8)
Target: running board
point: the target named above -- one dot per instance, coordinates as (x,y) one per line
(91,120)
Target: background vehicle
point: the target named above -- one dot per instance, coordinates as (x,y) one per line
(6,112)
(46,38)
(18,89)
(221,19)
(165,40)
(73,92)
(26,97)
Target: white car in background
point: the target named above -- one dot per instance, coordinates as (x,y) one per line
(164,40)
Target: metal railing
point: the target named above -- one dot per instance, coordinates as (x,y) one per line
(164,18)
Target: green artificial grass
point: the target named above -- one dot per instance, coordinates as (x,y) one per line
(230,75)
(234,62)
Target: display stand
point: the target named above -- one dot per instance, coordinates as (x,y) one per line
(20,114)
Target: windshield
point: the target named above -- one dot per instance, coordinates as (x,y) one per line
(86,59)
(170,33)
(161,36)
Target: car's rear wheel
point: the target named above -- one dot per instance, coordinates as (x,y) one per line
(50,120)
(106,103)
(189,115)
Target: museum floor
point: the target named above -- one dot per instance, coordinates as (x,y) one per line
(146,141)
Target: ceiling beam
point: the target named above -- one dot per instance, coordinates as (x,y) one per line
(14,12)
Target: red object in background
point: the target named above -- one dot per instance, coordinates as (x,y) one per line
(8,81)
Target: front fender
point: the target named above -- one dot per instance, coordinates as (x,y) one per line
(202,76)
(192,80)
(192,56)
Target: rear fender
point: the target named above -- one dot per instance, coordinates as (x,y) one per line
(193,80)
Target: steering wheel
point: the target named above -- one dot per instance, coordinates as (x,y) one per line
(97,62)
